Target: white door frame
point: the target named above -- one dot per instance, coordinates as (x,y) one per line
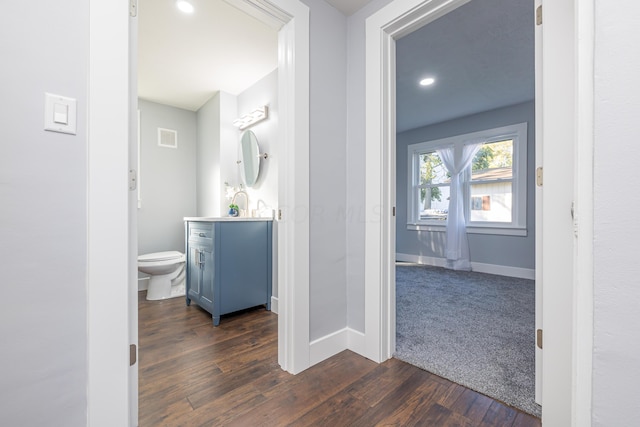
(108,252)
(539,149)
(567,112)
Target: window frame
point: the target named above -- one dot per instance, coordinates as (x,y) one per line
(518,225)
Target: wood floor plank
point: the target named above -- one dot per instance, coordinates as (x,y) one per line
(341,410)
(393,401)
(499,415)
(307,390)
(222,410)
(418,405)
(440,416)
(471,405)
(194,374)
(377,384)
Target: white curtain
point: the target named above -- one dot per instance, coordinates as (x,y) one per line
(456,161)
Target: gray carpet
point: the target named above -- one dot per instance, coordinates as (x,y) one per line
(472,328)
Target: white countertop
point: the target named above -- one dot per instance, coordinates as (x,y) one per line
(225,218)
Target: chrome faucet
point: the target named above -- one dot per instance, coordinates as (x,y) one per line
(246,202)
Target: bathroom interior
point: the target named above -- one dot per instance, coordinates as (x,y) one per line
(207,133)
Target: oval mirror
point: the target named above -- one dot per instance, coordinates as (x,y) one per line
(250,157)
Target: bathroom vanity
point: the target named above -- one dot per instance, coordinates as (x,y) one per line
(229,263)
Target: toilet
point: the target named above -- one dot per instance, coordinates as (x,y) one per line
(167,274)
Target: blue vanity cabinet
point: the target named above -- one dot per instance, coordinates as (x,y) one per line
(229,265)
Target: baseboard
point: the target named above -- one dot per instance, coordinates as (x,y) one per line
(274,305)
(500,270)
(504,270)
(143,283)
(420,259)
(332,344)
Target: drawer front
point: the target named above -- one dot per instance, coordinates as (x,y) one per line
(201,233)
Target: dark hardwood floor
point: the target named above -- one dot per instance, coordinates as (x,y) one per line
(194,374)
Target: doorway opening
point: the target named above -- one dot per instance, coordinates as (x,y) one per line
(480,62)
(567,56)
(111,205)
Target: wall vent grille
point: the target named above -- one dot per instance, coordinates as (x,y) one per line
(167,138)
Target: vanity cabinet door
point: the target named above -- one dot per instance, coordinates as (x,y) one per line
(200,265)
(194,276)
(207,269)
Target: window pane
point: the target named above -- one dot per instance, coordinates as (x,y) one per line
(491,201)
(493,161)
(432,171)
(434,203)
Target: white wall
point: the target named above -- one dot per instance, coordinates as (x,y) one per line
(216,134)
(264,92)
(327,170)
(616,354)
(208,158)
(167,177)
(43,202)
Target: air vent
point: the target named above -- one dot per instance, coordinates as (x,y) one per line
(167,138)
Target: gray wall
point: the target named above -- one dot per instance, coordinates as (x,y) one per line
(513,251)
(355,156)
(327,169)
(616,271)
(167,178)
(43,205)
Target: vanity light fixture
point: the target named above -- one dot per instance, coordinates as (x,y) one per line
(250,119)
(427,81)
(184,6)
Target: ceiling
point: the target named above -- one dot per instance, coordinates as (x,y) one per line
(183,60)
(348,7)
(481,55)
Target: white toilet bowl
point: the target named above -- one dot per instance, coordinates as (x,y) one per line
(167,274)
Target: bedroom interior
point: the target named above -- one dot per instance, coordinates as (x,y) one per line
(482,64)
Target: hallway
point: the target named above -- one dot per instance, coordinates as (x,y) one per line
(192,374)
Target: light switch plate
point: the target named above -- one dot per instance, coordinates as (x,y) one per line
(55,109)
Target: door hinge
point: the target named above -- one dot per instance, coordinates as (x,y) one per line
(133,179)
(279,214)
(133,8)
(394,211)
(539,338)
(539,15)
(539,176)
(133,354)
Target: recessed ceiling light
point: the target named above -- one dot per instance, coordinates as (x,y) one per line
(427,82)
(184,6)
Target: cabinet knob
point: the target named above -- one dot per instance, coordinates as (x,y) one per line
(202,235)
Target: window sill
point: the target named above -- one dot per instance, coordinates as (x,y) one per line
(502,231)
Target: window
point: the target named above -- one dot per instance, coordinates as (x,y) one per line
(433,188)
(495,182)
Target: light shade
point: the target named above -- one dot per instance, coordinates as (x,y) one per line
(250,119)
(428,81)
(184,6)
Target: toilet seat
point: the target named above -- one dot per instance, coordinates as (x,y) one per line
(160,256)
